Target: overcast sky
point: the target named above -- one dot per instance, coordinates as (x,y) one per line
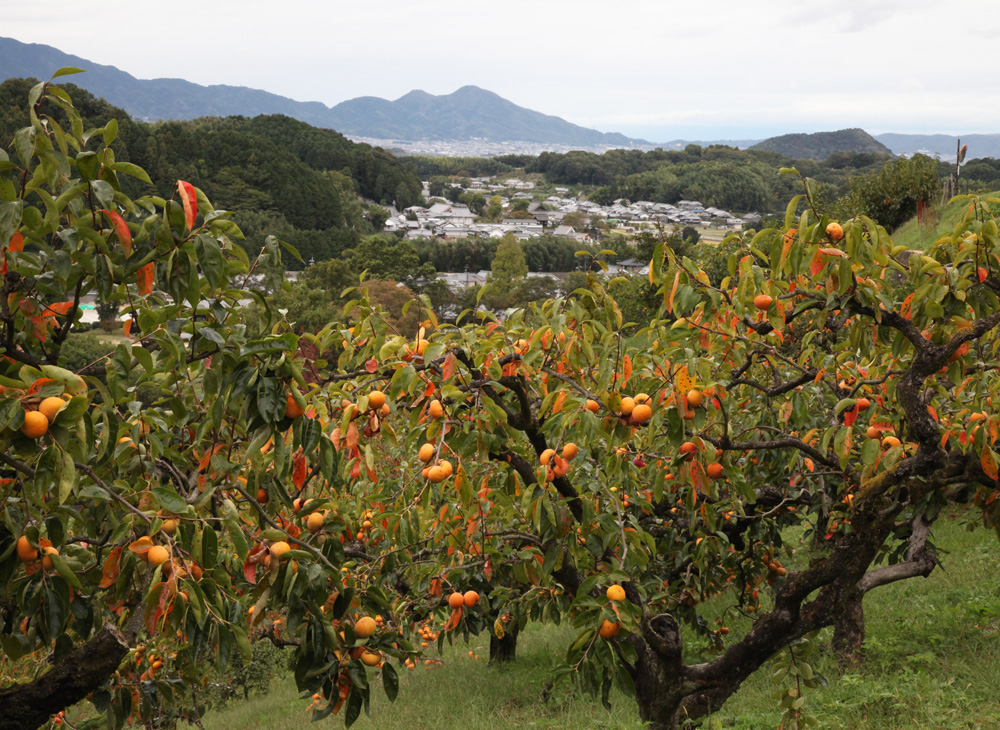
(659,69)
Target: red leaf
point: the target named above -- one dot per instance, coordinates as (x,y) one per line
(145,278)
(352,439)
(140,547)
(851,416)
(372,365)
(809,464)
(904,311)
(817,263)
(203,464)
(39,384)
(59,308)
(190,202)
(450,365)
(121,230)
(983,273)
(454,619)
(299,470)
(250,571)
(152,608)
(16,242)
(112,568)
(38,326)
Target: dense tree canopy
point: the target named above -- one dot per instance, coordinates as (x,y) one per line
(891,195)
(280,176)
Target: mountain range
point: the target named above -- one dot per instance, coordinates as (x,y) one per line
(470,113)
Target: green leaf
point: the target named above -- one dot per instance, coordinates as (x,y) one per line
(65,571)
(87,165)
(793,205)
(869,451)
(242,642)
(169,500)
(209,548)
(390,681)
(110,131)
(844,405)
(67,477)
(131,169)
(354,703)
(232,523)
(67,71)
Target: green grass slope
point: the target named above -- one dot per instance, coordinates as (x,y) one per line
(941,220)
(933,661)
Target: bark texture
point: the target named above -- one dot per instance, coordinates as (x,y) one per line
(849,631)
(83,670)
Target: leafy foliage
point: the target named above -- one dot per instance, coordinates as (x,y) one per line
(891,195)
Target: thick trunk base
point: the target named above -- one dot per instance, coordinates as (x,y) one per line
(504,650)
(849,632)
(656,678)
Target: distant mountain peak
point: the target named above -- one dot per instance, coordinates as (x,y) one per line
(470,112)
(408,96)
(472,89)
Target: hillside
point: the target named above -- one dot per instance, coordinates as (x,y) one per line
(469,112)
(820,145)
(278,175)
(940,221)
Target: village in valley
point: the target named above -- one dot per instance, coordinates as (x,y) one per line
(445,220)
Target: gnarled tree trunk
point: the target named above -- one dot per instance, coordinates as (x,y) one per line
(28,706)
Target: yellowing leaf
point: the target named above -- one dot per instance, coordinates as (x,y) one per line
(989,463)
(670,298)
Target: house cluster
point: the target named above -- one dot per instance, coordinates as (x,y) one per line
(453,220)
(685,213)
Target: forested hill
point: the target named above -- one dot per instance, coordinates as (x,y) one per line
(821,145)
(278,174)
(725,177)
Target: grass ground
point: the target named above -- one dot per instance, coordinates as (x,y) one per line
(933,663)
(942,220)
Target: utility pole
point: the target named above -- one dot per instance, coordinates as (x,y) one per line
(952,189)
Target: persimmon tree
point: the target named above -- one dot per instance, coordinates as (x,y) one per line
(361,493)
(833,382)
(132,525)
